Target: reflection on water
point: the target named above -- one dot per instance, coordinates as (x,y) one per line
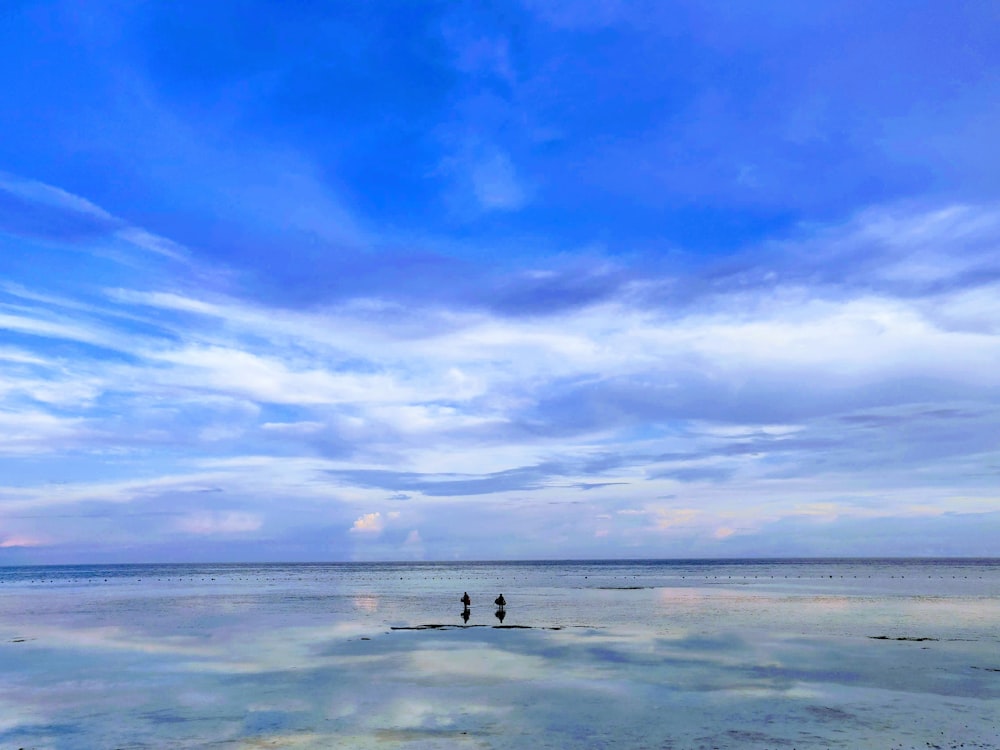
(365,603)
(689,654)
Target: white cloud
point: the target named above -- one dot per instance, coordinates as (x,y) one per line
(22,357)
(29,431)
(369,523)
(969,310)
(219,522)
(451,395)
(153,243)
(293,428)
(40,193)
(55,329)
(63,203)
(269,379)
(669,518)
(10,542)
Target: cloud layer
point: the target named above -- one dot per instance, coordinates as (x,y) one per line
(468,293)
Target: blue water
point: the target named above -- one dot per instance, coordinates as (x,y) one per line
(686,653)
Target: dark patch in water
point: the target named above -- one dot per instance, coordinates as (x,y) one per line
(744,737)
(830,714)
(900,638)
(165,716)
(438,626)
(423,733)
(431,626)
(609,655)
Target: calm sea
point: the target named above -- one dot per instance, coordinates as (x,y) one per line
(679,653)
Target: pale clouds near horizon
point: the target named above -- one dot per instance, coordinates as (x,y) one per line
(733,408)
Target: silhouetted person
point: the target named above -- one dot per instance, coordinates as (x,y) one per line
(500,614)
(500,601)
(465,614)
(465,599)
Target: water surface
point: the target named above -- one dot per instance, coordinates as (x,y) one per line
(678,654)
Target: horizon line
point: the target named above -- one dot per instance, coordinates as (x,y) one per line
(906,558)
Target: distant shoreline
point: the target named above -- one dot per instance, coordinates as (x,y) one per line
(571,561)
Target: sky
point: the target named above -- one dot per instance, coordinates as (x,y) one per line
(324,281)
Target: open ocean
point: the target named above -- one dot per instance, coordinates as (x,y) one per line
(589,654)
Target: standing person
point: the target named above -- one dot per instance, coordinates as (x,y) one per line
(465,599)
(500,601)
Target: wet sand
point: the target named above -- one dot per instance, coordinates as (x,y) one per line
(241,664)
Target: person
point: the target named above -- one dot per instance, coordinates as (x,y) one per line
(500,601)
(465,599)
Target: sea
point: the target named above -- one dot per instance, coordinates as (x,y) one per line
(832,653)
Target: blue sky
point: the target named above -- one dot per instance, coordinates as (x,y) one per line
(314,281)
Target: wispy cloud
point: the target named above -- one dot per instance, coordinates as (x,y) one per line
(212,523)
(21,541)
(545,392)
(34,209)
(495,183)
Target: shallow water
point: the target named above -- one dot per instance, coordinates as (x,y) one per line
(680,654)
